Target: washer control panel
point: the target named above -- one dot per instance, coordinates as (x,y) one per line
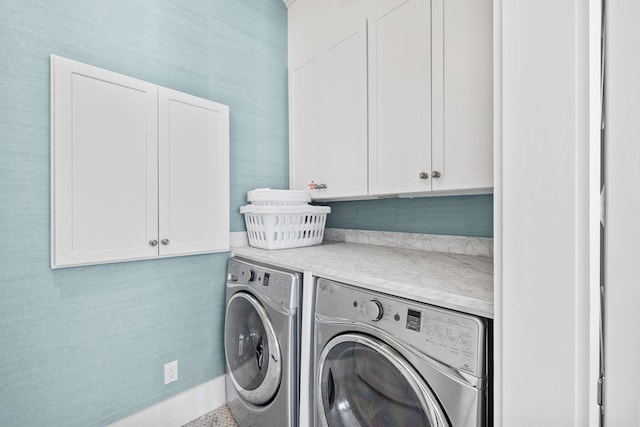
(453,338)
(277,285)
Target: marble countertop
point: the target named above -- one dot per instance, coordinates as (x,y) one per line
(458,282)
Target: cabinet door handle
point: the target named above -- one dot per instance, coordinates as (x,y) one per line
(153,242)
(164,241)
(435,174)
(314,186)
(423,175)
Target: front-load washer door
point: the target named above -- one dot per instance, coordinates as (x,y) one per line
(251,349)
(364,382)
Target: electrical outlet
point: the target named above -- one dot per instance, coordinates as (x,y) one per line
(170,372)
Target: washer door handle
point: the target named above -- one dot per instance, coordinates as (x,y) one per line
(259,353)
(331,390)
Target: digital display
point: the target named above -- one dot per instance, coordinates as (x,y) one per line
(265,282)
(413,320)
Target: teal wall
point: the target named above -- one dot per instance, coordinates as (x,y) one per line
(452,215)
(86,346)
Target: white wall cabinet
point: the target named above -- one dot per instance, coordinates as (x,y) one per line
(426,100)
(193,174)
(138,171)
(462,144)
(328,110)
(400,97)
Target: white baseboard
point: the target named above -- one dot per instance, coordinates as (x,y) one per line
(180,409)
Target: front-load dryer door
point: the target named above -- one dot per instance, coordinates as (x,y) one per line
(251,349)
(364,382)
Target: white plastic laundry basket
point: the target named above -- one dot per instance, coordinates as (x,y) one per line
(280,227)
(269,197)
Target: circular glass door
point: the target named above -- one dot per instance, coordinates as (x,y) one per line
(251,349)
(364,382)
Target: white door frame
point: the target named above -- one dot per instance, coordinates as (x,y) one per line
(546,212)
(622,229)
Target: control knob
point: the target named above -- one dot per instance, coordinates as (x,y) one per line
(373,310)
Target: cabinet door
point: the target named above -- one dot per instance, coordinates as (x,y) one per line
(329,115)
(463,94)
(104,165)
(194,174)
(400,97)
(305,128)
(342,155)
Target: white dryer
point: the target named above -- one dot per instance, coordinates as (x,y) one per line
(382,360)
(262,321)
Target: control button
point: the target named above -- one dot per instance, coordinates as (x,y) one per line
(414,320)
(252,276)
(396,317)
(355,303)
(373,310)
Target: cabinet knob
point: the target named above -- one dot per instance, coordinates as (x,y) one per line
(164,241)
(435,174)
(153,242)
(423,175)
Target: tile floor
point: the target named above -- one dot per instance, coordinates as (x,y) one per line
(220,417)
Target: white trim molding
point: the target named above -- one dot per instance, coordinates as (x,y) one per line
(181,409)
(546,230)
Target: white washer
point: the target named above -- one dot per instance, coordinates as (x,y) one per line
(382,360)
(262,321)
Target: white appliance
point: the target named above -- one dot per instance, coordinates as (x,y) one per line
(261,329)
(382,360)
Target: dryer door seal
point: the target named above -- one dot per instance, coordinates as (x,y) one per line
(251,350)
(363,381)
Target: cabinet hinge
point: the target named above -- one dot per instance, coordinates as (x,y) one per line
(600,390)
(603,206)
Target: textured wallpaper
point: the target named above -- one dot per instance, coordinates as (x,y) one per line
(86,346)
(451,215)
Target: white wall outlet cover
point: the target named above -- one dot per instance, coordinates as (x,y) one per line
(170,372)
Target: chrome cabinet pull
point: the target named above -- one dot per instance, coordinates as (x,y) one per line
(435,174)
(164,241)
(423,175)
(153,242)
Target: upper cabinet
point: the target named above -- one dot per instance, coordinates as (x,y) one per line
(328,111)
(193,141)
(399,97)
(404,105)
(138,171)
(463,95)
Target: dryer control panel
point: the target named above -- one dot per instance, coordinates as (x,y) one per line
(280,286)
(453,338)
